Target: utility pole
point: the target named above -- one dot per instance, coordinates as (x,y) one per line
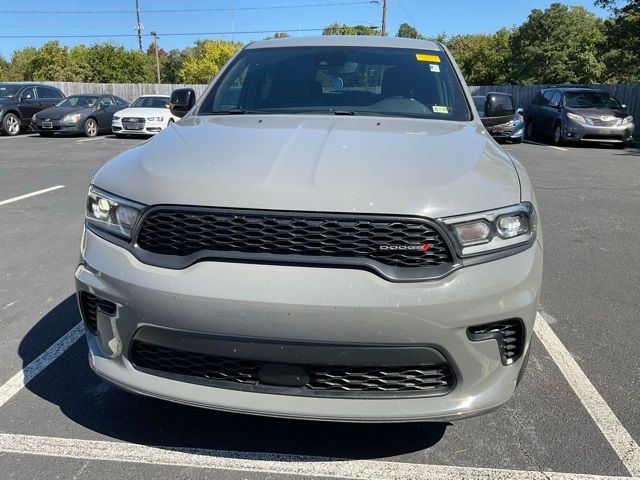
(155,47)
(384,18)
(138,27)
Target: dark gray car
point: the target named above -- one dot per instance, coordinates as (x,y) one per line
(20,101)
(579,114)
(88,114)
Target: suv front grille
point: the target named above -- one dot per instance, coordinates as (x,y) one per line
(396,242)
(331,380)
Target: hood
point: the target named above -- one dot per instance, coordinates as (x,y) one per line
(599,112)
(145,112)
(388,165)
(56,113)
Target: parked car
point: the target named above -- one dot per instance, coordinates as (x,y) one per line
(88,114)
(20,101)
(504,121)
(340,241)
(571,114)
(146,116)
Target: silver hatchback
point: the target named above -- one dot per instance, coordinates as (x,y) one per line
(329,233)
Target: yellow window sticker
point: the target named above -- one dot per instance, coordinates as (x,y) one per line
(423,57)
(439,109)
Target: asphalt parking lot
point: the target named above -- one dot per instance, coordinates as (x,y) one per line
(575,415)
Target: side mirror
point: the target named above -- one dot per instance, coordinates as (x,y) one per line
(103,104)
(26,96)
(624,106)
(554,104)
(520,111)
(182,100)
(499,105)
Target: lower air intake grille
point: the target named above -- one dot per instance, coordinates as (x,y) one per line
(509,334)
(331,381)
(89,303)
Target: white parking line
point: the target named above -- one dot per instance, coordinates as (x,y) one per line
(32,194)
(545,145)
(28,373)
(613,430)
(267,463)
(89,139)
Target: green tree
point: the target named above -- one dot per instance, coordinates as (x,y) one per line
(278,35)
(20,67)
(558,45)
(343,29)
(111,63)
(206,59)
(4,66)
(407,31)
(484,59)
(171,64)
(621,49)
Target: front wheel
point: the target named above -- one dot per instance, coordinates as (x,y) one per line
(557,134)
(11,125)
(90,128)
(529,130)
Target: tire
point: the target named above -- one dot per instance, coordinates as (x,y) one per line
(11,125)
(46,134)
(529,131)
(557,134)
(90,127)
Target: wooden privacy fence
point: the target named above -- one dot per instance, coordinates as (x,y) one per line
(627,93)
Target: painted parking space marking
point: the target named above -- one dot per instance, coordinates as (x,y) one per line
(28,373)
(89,139)
(268,463)
(613,430)
(545,145)
(29,195)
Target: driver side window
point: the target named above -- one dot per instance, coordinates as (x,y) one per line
(28,92)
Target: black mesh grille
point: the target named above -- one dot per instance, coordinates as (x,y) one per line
(430,379)
(509,335)
(89,304)
(393,242)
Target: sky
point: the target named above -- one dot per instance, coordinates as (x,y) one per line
(233,19)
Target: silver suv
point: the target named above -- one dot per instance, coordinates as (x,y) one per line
(329,233)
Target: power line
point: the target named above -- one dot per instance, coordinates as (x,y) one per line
(187,10)
(119,35)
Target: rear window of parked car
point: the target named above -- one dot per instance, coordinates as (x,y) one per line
(360,80)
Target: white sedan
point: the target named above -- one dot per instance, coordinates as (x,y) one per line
(146,116)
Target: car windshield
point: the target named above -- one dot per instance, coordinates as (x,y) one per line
(590,100)
(79,101)
(339,80)
(8,90)
(151,102)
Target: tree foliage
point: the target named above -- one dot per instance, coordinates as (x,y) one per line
(558,45)
(407,31)
(484,59)
(205,60)
(343,29)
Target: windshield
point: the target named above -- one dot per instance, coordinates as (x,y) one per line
(590,100)
(151,102)
(80,101)
(339,80)
(9,90)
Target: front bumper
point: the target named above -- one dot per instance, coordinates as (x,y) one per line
(150,128)
(294,304)
(574,131)
(507,132)
(56,126)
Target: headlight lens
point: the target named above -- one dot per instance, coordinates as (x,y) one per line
(33,119)
(576,118)
(155,119)
(493,230)
(72,117)
(626,120)
(116,118)
(112,214)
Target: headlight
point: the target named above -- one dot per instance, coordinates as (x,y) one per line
(115,118)
(72,117)
(494,230)
(155,119)
(33,119)
(626,120)
(576,118)
(112,214)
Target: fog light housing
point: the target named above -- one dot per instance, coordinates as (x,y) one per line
(473,233)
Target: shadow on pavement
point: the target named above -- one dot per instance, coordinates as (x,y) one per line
(88,401)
